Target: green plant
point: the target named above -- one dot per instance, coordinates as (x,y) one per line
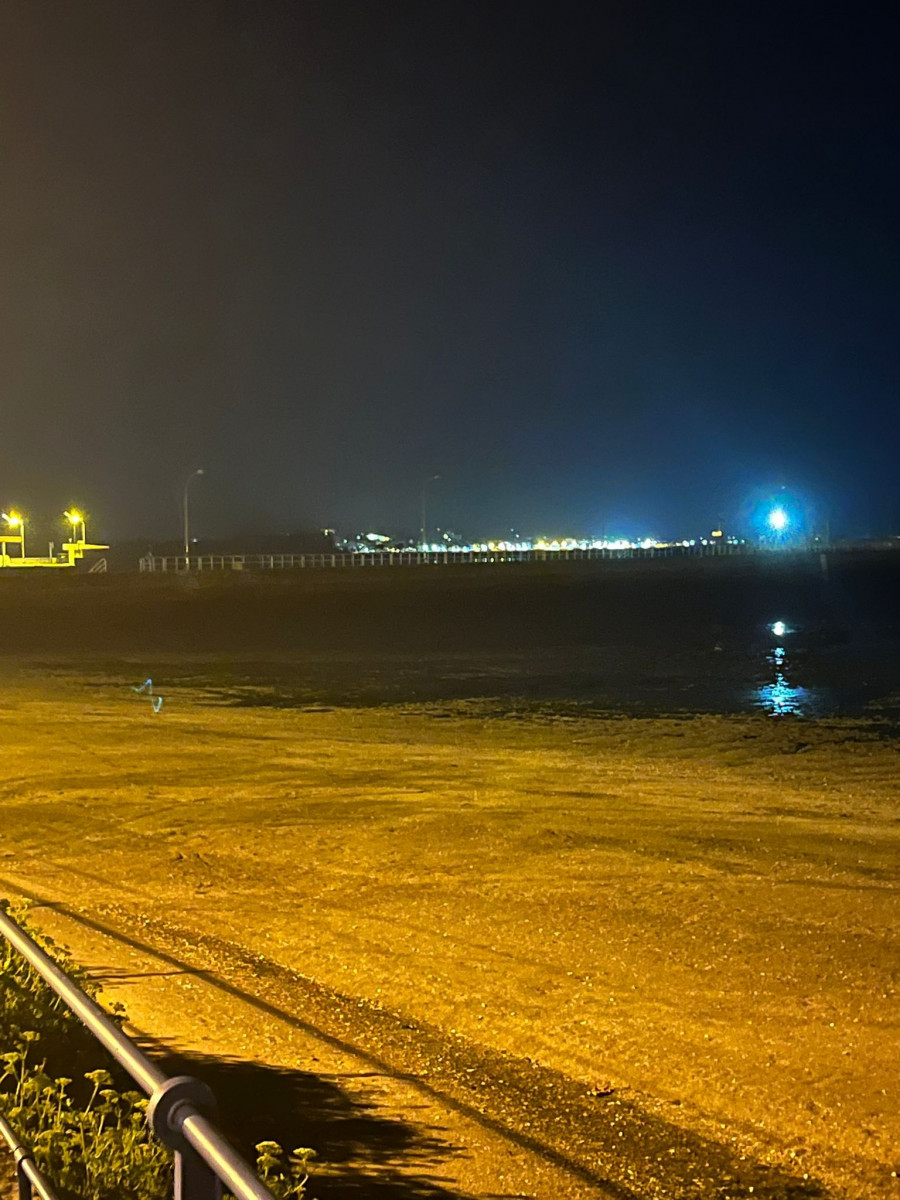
(72,1106)
(286,1180)
(97,1150)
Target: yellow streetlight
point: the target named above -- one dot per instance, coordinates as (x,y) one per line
(75,519)
(16,521)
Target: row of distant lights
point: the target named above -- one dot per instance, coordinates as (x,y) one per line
(376,542)
(777,520)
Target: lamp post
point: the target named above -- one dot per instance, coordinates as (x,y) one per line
(75,519)
(424,529)
(15,521)
(187,537)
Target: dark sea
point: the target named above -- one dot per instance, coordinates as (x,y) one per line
(789,637)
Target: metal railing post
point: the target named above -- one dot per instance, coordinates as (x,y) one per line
(178,1109)
(166,1113)
(28,1178)
(193,1178)
(23,1183)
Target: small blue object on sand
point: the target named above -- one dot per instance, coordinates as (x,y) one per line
(156,702)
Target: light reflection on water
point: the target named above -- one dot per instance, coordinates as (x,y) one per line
(781,698)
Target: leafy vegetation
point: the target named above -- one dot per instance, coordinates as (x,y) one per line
(72,1105)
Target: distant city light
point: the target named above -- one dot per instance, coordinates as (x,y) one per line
(451,544)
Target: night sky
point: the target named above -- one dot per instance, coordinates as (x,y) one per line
(605,267)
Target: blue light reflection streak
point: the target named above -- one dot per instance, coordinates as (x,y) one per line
(780,698)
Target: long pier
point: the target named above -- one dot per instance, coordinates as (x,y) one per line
(180,563)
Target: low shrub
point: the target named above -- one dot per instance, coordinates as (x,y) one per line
(73,1107)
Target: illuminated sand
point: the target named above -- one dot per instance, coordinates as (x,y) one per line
(698,916)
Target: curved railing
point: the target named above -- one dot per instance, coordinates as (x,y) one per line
(179,1108)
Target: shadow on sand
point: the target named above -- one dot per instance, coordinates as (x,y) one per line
(367,1154)
(379,1156)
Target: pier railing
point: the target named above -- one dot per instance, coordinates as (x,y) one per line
(178,1112)
(175,563)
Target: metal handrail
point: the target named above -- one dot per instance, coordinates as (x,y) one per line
(179,1108)
(179,563)
(29,1178)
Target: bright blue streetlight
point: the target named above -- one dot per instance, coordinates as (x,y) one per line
(778,520)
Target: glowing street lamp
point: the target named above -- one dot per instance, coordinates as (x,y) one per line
(75,519)
(15,521)
(778,520)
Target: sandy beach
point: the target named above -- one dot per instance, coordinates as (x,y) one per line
(694,918)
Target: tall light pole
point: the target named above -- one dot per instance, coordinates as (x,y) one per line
(75,519)
(423,539)
(187,528)
(15,521)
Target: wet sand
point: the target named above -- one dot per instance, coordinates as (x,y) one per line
(684,926)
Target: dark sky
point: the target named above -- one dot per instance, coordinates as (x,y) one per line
(605,267)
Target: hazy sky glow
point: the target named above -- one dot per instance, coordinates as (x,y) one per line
(606,267)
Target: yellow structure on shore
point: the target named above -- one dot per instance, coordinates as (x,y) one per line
(72,551)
